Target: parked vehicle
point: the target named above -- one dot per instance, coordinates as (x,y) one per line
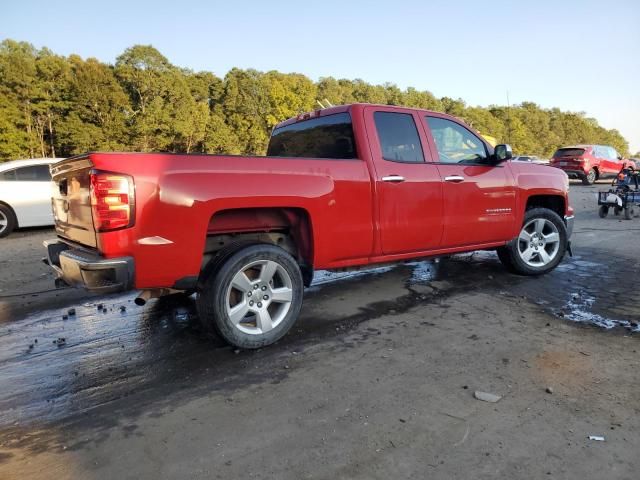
(589,162)
(25,194)
(530,158)
(623,196)
(339,188)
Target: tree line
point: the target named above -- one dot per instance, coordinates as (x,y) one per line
(56,106)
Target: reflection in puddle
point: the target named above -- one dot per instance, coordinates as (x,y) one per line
(578,310)
(422,272)
(322,277)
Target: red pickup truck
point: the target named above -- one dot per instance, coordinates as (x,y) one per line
(339,188)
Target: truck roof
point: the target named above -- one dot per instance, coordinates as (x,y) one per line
(343,108)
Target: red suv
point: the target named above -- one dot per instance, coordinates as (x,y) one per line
(588,162)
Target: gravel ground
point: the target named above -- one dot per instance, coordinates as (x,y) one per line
(377,380)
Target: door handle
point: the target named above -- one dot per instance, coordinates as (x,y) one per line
(393,179)
(454,179)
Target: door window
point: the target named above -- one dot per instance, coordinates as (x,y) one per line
(399,139)
(8,176)
(34,173)
(455,143)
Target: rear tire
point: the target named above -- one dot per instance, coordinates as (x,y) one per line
(8,222)
(603,211)
(539,247)
(628,213)
(590,178)
(253,297)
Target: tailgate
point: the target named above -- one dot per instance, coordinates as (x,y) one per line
(71,200)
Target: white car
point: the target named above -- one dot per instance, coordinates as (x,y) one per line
(530,158)
(25,194)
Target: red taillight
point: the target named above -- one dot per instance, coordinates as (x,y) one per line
(112,201)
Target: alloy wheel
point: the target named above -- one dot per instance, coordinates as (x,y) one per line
(538,242)
(259,297)
(4,221)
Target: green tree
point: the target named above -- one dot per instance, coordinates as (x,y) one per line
(55,105)
(147,77)
(50,101)
(18,84)
(246,107)
(288,95)
(98,109)
(14,139)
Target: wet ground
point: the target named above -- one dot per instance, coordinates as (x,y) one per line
(375,379)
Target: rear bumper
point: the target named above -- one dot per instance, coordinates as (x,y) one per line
(83,268)
(573,173)
(568,221)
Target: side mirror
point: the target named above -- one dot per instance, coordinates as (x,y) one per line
(502,152)
(619,157)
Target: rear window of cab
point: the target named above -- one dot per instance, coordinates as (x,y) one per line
(329,136)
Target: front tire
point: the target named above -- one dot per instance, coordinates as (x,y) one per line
(539,247)
(8,221)
(603,211)
(253,297)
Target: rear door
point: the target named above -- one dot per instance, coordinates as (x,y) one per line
(478,198)
(409,191)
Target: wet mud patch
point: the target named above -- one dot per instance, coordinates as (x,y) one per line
(594,290)
(579,309)
(118,360)
(117,364)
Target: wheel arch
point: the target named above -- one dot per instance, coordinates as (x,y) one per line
(287,227)
(555,203)
(12,211)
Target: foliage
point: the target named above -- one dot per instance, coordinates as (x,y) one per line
(52,105)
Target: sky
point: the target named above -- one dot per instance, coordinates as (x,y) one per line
(580,56)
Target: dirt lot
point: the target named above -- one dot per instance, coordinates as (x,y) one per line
(377,380)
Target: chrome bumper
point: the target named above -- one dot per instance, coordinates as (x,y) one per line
(83,268)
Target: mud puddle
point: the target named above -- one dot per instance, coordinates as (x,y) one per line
(53,367)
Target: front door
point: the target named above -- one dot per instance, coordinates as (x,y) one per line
(409,190)
(478,198)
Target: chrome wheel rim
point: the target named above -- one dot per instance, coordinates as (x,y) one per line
(259,297)
(538,242)
(592,176)
(4,221)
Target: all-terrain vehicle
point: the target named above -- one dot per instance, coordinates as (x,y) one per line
(623,196)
